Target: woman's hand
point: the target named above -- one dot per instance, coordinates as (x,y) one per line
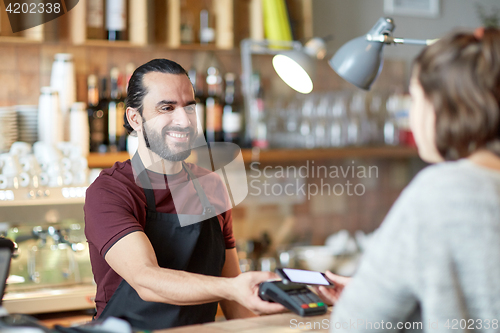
(331,295)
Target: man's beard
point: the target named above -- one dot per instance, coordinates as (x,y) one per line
(157,142)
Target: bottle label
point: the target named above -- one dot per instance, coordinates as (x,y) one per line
(214,117)
(97,129)
(95,16)
(200,111)
(231,122)
(120,113)
(116,15)
(112,122)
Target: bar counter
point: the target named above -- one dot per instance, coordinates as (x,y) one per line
(277,323)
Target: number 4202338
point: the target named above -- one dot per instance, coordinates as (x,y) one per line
(33,8)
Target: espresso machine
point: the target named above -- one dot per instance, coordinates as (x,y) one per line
(50,269)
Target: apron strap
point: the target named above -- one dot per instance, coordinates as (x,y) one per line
(144,181)
(208,208)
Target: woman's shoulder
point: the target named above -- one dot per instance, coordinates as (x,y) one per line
(453,176)
(450,189)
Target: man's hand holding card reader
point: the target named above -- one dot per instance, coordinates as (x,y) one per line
(293,293)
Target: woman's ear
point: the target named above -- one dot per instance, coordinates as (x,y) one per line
(134,119)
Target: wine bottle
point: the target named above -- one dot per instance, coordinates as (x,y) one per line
(116,111)
(187,23)
(95,19)
(97,117)
(198,82)
(213,106)
(116,19)
(260,139)
(207,32)
(231,118)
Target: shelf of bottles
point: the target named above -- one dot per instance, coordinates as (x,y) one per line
(317,126)
(174,23)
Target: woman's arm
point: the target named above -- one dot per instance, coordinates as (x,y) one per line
(382,292)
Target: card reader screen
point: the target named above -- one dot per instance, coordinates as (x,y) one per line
(307,277)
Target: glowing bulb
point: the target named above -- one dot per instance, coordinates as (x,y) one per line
(292,74)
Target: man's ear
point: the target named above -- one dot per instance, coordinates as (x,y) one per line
(134,119)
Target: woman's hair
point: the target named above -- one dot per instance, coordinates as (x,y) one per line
(136,89)
(460,76)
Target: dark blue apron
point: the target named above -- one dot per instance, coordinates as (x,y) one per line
(196,248)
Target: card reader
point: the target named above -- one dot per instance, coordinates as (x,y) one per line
(295,297)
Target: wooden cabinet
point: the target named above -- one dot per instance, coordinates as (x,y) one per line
(35,34)
(158,22)
(162,22)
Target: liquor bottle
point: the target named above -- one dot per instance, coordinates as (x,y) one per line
(121,131)
(231,118)
(259,138)
(95,19)
(187,23)
(116,19)
(97,117)
(198,82)
(213,105)
(207,32)
(116,111)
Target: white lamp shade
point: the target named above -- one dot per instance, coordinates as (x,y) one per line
(295,68)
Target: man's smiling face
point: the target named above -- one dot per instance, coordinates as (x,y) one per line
(169,117)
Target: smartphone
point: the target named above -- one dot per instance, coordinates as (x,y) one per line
(290,275)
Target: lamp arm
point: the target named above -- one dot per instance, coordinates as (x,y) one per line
(387,39)
(246,77)
(412,41)
(248,47)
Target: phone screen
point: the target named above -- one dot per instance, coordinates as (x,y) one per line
(306,277)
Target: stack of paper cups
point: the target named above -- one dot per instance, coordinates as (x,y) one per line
(63,80)
(50,128)
(79,127)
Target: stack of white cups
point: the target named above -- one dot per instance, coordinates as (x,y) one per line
(50,125)
(62,79)
(48,165)
(50,160)
(74,164)
(18,167)
(79,127)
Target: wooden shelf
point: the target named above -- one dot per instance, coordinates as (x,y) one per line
(98,160)
(274,156)
(110,43)
(18,40)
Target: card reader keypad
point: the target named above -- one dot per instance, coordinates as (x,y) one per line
(306,299)
(295,297)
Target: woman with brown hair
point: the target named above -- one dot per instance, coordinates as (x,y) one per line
(434,264)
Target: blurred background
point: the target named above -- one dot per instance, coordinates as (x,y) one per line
(62,92)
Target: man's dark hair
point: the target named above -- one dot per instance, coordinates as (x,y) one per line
(136,89)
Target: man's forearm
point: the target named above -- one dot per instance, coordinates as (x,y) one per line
(164,285)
